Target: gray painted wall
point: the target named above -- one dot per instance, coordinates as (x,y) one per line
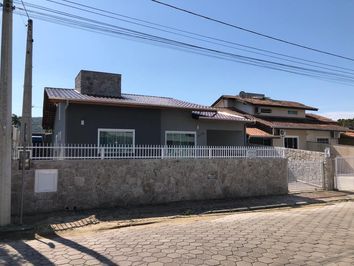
(108,183)
(181,120)
(149,124)
(146,123)
(224,138)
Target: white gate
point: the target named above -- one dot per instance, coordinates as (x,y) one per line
(305,175)
(344,173)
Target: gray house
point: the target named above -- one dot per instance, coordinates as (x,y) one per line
(96,112)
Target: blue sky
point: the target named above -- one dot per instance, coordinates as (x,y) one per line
(61,52)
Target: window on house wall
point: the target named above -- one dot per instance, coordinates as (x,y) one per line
(292,112)
(180,138)
(266,110)
(116,137)
(291,142)
(323,140)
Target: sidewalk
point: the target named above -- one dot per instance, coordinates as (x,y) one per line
(103,219)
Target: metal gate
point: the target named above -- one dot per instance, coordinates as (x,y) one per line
(344,173)
(305,176)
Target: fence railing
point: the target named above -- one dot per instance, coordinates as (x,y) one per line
(86,152)
(344,166)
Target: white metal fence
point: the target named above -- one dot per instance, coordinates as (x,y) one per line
(344,166)
(85,152)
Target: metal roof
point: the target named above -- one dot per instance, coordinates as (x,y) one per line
(71,95)
(53,96)
(219,115)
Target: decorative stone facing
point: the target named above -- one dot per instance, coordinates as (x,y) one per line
(98,83)
(298,156)
(303,155)
(108,183)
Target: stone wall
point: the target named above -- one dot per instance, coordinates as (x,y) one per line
(303,155)
(312,166)
(108,183)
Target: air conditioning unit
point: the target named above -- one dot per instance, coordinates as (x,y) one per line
(282,133)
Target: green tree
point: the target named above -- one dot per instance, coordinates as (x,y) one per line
(16,120)
(347,123)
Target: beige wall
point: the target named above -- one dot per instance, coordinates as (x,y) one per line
(301,134)
(283,112)
(312,136)
(250,109)
(343,150)
(304,137)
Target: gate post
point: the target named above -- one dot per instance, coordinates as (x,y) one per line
(329,175)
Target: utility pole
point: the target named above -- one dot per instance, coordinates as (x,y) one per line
(5,113)
(26,120)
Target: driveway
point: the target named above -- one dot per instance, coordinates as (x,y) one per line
(313,235)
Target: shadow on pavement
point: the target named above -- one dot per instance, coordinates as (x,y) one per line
(49,223)
(28,254)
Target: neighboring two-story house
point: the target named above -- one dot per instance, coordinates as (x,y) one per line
(280,123)
(97,113)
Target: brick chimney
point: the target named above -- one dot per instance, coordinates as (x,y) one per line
(98,84)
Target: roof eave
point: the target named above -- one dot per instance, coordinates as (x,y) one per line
(130,105)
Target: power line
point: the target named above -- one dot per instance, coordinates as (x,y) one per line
(232,45)
(183,45)
(24,7)
(101,27)
(252,31)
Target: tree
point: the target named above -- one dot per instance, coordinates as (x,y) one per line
(16,120)
(347,123)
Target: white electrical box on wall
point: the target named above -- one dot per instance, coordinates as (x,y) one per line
(46,180)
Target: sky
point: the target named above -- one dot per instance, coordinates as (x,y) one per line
(61,52)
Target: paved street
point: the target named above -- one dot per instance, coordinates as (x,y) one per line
(314,235)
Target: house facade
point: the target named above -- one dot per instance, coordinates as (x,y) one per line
(97,113)
(280,123)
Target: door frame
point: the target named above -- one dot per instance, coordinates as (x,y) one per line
(292,137)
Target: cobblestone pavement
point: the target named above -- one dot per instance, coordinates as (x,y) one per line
(315,235)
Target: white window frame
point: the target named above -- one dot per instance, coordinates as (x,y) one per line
(292,137)
(114,130)
(322,142)
(181,132)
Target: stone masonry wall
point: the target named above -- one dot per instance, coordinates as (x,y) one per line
(312,166)
(303,155)
(108,183)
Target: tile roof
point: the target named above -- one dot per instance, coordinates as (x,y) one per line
(256,132)
(71,95)
(310,122)
(348,134)
(220,116)
(268,102)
